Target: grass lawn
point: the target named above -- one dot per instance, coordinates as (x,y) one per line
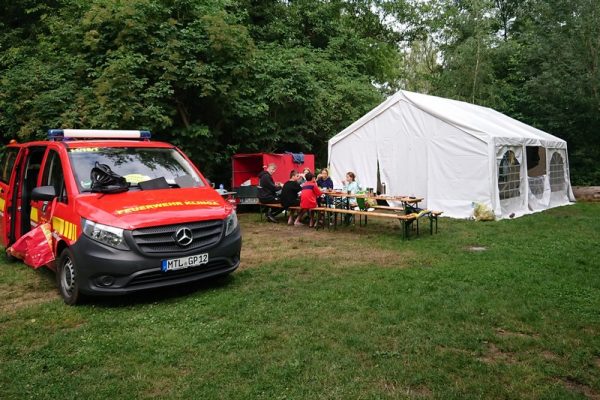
(507,309)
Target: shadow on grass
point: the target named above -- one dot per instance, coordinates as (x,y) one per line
(149,296)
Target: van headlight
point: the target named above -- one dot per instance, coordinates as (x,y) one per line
(231,223)
(108,235)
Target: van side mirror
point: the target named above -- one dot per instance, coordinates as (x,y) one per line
(43,193)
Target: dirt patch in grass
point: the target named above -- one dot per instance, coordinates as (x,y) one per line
(345,247)
(549,356)
(162,387)
(453,350)
(17,303)
(419,392)
(574,385)
(495,355)
(504,333)
(36,288)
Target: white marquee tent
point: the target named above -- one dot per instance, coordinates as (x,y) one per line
(453,154)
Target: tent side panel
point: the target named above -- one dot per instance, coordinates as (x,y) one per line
(402,150)
(458,172)
(356,153)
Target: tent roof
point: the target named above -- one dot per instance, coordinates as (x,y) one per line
(481,122)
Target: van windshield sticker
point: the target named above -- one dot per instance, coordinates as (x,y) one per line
(136,178)
(85,150)
(167,204)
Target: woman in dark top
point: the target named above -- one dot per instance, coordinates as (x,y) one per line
(324,181)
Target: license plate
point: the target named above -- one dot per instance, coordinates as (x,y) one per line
(175,264)
(248,200)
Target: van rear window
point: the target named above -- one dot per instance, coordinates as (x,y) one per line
(135,164)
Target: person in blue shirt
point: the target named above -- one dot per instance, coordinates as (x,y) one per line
(351,187)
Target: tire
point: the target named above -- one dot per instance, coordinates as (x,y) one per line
(66,278)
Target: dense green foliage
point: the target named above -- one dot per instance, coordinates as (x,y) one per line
(223,76)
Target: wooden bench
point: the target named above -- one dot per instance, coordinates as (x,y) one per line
(265,206)
(405,220)
(388,208)
(432,215)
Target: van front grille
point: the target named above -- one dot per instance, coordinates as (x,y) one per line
(161,239)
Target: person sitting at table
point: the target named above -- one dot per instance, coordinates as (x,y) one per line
(267,191)
(324,181)
(351,187)
(303,176)
(289,194)
(308,199)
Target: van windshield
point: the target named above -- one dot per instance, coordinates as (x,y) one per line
(135,164)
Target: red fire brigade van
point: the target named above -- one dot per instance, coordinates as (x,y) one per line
(130,214)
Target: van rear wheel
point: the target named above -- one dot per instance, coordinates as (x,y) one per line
(66,278)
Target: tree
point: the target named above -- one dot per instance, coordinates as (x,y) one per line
(214,77)
(562,77)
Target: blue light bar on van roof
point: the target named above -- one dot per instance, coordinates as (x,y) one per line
(62,134)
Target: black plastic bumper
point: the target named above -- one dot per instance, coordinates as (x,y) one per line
(103,270)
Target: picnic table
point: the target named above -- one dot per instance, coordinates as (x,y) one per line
(327,214)
(407,214)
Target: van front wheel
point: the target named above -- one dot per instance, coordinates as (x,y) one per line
(66,278)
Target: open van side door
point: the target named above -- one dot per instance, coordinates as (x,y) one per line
(9,161)
(17,197)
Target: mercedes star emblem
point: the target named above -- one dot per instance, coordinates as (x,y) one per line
(184,237)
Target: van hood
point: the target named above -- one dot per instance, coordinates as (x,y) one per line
(143,208)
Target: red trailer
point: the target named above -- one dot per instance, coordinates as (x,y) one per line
(246,168)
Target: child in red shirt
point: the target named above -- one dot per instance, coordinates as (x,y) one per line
(308,198)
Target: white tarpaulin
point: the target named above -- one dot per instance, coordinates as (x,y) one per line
(453,154)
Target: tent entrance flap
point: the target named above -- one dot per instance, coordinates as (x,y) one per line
(380,188)
(537,178)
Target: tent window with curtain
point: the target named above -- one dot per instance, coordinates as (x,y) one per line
(557,173)
(536,185)
(509,176)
